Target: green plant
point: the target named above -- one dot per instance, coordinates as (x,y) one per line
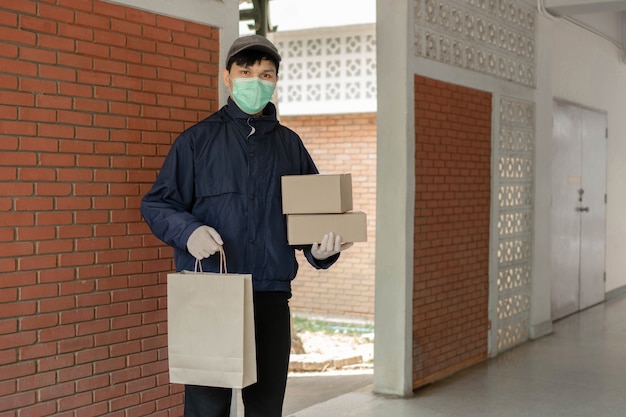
(302,324)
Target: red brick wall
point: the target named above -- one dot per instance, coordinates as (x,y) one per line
(340,144)
(91,96)
(452,206)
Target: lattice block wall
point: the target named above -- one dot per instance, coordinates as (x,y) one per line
(495,37)
(330,71)
(515,153)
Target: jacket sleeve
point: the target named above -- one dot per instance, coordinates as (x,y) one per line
(166,208)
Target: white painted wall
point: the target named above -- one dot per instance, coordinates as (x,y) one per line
(587,70)
(541,297)
(393,346)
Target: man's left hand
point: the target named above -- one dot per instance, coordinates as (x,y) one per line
(330,245)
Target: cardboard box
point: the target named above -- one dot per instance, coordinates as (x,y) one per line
(306,194)
(304,229)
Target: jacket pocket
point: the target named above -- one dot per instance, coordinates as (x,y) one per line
(216,187)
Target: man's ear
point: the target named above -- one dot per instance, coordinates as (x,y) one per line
(226,78)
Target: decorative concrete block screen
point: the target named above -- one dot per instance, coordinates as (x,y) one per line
(327,71)
(514,155)
(495,37)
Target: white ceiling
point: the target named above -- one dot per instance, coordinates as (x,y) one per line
(607,17)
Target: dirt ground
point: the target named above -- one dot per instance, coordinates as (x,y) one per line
(318,351)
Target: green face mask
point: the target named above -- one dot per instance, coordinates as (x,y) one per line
(252,94)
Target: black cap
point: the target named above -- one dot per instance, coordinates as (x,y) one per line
(256,42)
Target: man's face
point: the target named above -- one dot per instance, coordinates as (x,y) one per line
(264,70)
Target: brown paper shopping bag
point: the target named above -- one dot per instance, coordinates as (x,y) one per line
(211,340)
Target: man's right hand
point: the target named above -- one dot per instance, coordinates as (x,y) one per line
(204,242)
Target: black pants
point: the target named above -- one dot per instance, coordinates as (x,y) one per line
(273,343)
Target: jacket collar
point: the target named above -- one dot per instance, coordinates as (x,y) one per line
(262,124)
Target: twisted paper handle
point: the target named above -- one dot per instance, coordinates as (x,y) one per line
(223,269)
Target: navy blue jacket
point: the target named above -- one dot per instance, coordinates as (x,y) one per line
(225,172)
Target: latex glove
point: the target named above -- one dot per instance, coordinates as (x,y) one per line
(331,245)
(204,242)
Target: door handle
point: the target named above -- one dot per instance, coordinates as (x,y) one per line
(581,209)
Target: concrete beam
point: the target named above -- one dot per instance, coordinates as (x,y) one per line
(572,7)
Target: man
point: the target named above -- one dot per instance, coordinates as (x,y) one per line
(220,186)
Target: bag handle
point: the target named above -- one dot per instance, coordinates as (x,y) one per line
(223,269)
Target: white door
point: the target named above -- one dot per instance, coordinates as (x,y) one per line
(578,208)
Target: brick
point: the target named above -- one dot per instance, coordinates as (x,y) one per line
(53,218)
(18,128)
(170,404)
(111,311)
(108,393)
(75,344)
(76,401)
(8,19)
(77,372)
(75,118)
(92,383)
(17,370)
(8,356)
(109,365)
(8,326)
(77,287)
(92,217)
(107,37)
(126,322)
(56,391)
(90,272)
(40,321)
(17,401)
(56,160)
(152,394)
(124,402)
(93,133)
(109,66)
(149,68)
(107,93)
(88,104)
(125,27)
(76,90)
(7,388)
(92,355)
(38,291)
(89,300)
(74,175)
(56,304)
(9,51)
(16,249)
(8,174)
(39,380)
(93,327)
(76,147)
(110,121)
(37,55)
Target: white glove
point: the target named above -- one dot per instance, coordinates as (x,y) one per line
(331,245)
(204,242)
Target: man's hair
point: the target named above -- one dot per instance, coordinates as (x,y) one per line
(249,57)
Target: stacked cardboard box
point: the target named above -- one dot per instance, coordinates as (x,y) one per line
(320,204)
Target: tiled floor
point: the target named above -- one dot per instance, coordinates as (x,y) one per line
(578,371)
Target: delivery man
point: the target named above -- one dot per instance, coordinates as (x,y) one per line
(220,186)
